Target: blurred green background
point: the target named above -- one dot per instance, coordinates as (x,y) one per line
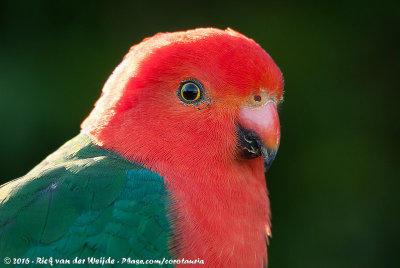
(334,187)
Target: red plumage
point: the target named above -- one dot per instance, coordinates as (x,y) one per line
(220,203)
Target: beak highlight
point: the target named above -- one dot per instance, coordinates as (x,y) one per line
(259,132)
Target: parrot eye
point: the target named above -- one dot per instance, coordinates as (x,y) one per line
(190,91)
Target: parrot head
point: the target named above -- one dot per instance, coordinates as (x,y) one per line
(200,108)
(191,97)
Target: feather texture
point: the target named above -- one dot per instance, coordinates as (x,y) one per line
(83,201)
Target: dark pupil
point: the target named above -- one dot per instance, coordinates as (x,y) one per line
(189,92)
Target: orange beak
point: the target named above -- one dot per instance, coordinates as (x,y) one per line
(259,132)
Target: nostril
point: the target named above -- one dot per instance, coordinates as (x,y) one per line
(257,98)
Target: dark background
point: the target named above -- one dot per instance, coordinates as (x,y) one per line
(334,187)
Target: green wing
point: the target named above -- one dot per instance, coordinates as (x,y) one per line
(83,201)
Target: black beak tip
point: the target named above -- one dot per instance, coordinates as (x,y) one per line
(251,146)
(269,157)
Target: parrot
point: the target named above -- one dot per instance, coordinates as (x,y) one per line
(169,165)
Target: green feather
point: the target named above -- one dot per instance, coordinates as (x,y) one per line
(83,201)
